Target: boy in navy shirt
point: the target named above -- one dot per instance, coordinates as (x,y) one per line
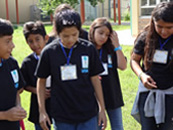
(36,38)
(11,81)
(74,65)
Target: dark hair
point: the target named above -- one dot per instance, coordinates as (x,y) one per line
(6,27)
(67,18)
(62,7)
(59,8)
(163,11)
(33,28)
(97,23)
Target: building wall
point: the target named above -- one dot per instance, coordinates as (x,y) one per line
(142,23)
(2,9)
(23,7)
(135,17)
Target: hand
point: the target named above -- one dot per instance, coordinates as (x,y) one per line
(102,119)
(47,93)
(114,39)
(15,114)
(44,119)
(148,81)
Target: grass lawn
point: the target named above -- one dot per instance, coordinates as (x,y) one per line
(129,81)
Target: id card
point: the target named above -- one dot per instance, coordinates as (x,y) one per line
(160,56)
(48,82)
(85,62)
(15,76)
(68,72)
(105,72)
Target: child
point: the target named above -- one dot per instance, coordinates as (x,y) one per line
(36,38)
(153,106)
(83,33)
(74,66)
(11,81)
(107,44)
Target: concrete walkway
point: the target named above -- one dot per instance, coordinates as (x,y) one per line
(125,37)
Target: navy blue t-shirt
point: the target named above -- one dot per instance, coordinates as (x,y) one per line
(11,81)
(72,101)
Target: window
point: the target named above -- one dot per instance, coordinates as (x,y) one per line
(148,5)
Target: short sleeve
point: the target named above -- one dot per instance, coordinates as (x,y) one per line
(43,66)
(24,72)
(139,46)
(95,63)
(22,82)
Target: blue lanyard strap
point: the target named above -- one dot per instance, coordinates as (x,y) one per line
(70,53)
(36,57)
(1,62)
(162,44)
(101,54)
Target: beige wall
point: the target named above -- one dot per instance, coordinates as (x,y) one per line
(135,17)
(100,10)
(2,9)
(142,23)
(24,9)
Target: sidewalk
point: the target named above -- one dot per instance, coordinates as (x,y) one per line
(125,37)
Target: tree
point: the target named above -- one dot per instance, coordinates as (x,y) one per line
(48,6)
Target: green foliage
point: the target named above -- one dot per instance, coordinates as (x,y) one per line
(48,6)
(95,2)
(127,15)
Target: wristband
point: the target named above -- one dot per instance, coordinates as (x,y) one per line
(118,48)
(139,76)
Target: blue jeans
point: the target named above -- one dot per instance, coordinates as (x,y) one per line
(38,127)
(148,123)
(88,125)
(115,117)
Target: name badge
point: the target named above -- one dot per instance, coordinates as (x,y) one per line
(105,72)
(109,59)
(160,56)
(48,82)
(85,62)
(15,76)
(68,72)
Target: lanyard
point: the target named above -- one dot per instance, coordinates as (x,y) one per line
(101,54)
(1,62)
(36,57)
(69,55)
(162,44)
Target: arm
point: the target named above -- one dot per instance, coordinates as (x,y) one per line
(31,89)
(15,113)
(146,79)
(99,95)
(34,90)
(121,60)
(41,86)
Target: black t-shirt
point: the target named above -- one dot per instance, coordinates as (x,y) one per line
(83,34)
(11,81)
(28,68)
(72,101)
(161,73)
(110,82)
(51,38)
